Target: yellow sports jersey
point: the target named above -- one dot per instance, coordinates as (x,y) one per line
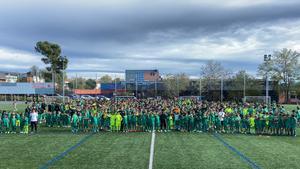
(245,111)
(252,122)
(118,118)
(17,122)
(228,110)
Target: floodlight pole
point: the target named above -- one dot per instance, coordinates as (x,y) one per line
(63,84)
(200,86)
(76,82)
(221,89)
(136,86)
(177,86)
(155,85)
(244,89)
(125,86)
(115,85)
(267,59)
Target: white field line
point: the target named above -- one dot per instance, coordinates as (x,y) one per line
(152,150)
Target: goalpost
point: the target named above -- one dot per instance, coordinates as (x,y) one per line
(257,99)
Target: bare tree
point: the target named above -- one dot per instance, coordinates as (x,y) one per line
(211,73)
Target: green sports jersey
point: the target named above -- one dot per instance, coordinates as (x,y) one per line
(293,122)
(152,119)
(171,123)
(157,119)
(6,122)
(250,111)
(95,121)
(75,118)
(13,121)
(26,121)
(18,117)
(125,119)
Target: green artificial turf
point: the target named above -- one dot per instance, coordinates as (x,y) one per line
(110,150)
(22,151)
(9,106)
(132,150)
(193,150)
(290,107)
(268,151)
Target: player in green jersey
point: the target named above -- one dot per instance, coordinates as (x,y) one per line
(75,123)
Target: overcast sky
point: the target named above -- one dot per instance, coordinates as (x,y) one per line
(172,36)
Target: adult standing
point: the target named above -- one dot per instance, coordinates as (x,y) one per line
(33,120)
(221,115)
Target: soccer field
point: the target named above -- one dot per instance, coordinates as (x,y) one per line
(58,148)
(8,106)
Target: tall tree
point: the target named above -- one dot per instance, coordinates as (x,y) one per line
(236,86)
(77,83)
(117,79)
(90,84)
(34,70)
(106,79)
(52,57)
(46,75)
(175,84)
(282,68)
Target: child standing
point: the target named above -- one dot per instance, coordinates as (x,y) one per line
(113,122)
(74,123)
(6,124)
(252,123)
(13,123)
(25,120)
(95,123)
(170,122)
(293,125)
(153,117)
(118,121)
(125,123)
(157,122)
(18,122)
(237,122)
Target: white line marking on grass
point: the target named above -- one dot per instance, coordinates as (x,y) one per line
(152,150)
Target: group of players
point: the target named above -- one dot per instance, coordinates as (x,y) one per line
(159,115)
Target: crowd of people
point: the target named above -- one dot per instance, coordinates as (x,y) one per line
(146,115)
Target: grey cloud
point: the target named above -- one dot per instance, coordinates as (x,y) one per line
(119,32)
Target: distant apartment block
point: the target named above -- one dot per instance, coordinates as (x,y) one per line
(141,76)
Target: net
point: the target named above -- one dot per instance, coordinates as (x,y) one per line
(257,99)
